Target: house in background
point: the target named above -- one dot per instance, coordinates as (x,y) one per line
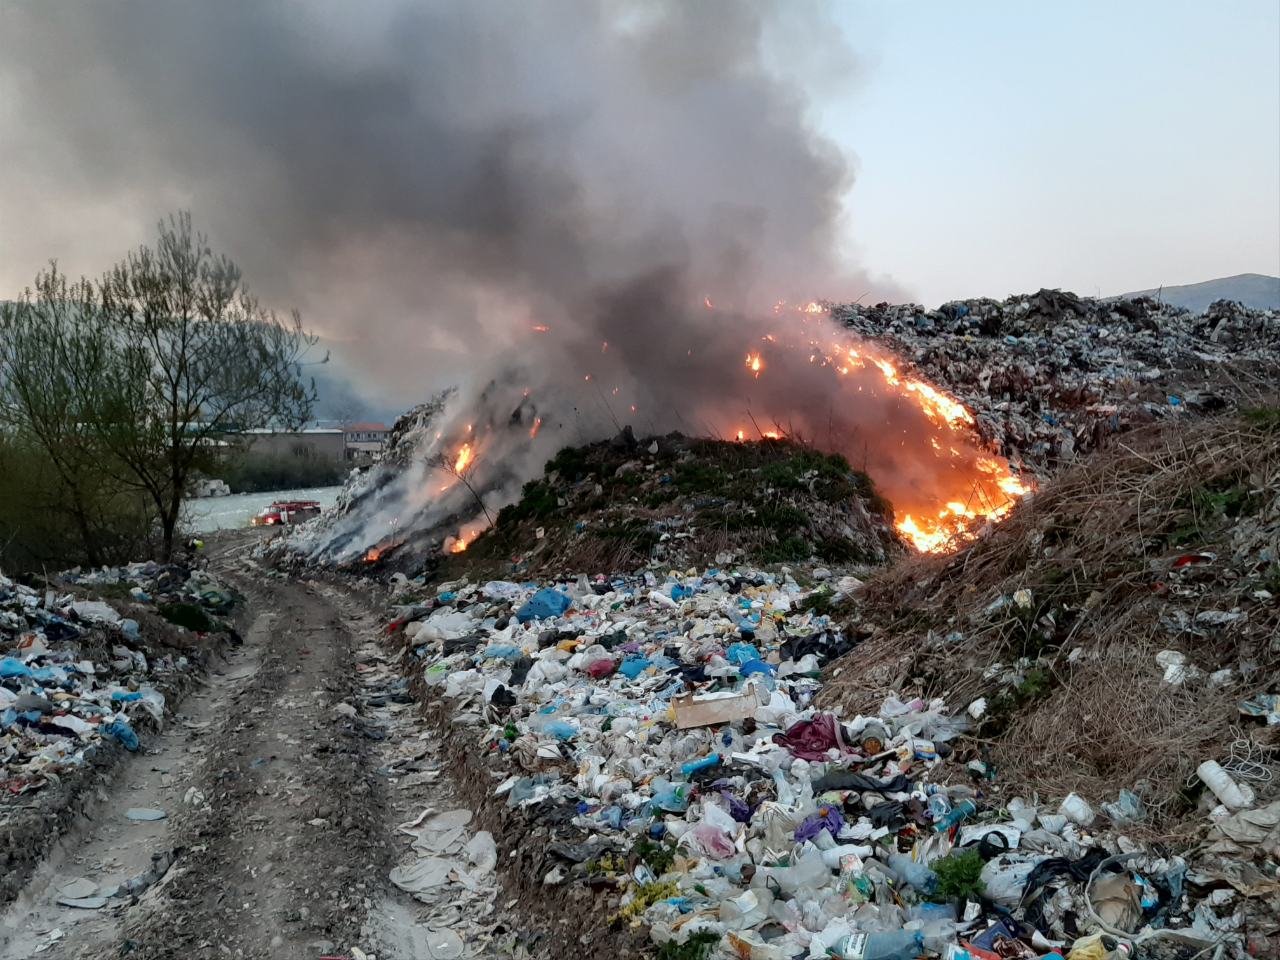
(364,441)
(324,439)
(328,443)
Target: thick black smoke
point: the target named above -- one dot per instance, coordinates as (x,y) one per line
(435,183)
(427,181)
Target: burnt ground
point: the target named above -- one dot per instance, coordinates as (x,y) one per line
(282,778)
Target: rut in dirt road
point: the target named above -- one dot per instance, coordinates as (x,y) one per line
(281,863)
(275,781)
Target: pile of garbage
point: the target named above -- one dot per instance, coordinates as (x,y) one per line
(662,732)
(675,501)
(75,672)
(1141,586)
(1051,375)
(628,502)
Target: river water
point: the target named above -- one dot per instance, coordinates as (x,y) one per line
(207,514)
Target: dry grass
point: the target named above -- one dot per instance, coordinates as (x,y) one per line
(1089,708)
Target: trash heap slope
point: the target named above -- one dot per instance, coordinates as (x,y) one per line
(1051,375)
(1107,632)
(622,504)
(81,681)
(653,759)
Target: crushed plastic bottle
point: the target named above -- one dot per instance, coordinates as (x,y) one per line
(912,873)
(958,813)
(894,945)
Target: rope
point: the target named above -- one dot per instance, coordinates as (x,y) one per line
(1246,760)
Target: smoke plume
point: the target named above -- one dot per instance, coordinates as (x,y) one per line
(427,180)
(582,212)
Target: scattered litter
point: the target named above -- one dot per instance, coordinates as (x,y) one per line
(144,813)
(698,778)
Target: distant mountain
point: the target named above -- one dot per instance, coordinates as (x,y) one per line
(1251,289)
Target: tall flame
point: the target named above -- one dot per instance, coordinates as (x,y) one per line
(974,491)
(464,458)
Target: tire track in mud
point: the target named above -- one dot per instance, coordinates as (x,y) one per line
(286,779)
(283,856)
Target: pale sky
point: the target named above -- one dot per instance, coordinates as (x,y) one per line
(998,146)
(1096,146)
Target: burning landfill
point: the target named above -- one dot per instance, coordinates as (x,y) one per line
(672,745)
(953,412)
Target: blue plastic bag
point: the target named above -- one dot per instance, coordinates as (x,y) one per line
(11,667)
(632,667)
(560,729)
(124,733)
(543,605)
(752,667)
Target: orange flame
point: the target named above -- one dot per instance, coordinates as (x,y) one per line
(813,307)
(373,556)
(537,425)
(540,328)
(459,545)
(968,491)
(464,458)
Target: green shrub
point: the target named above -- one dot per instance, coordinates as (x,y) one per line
(39,528)
(697,478)
(784,520)
(785,551)
(250,472)
(1266,417)
(659,857)
(538,501)
(572,463)
(959,875)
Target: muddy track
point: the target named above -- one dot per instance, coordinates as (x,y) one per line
(283,781)
(274,825)
(285,838)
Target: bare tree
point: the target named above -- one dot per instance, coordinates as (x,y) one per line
(197,358)
(459,468)
(53,360)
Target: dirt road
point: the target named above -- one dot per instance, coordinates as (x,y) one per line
(280,782)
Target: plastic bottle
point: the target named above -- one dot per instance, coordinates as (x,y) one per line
(1232,794)
(939,806)
(693,766)
(960,812)
(912,873)
(894,945)
(671,797)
